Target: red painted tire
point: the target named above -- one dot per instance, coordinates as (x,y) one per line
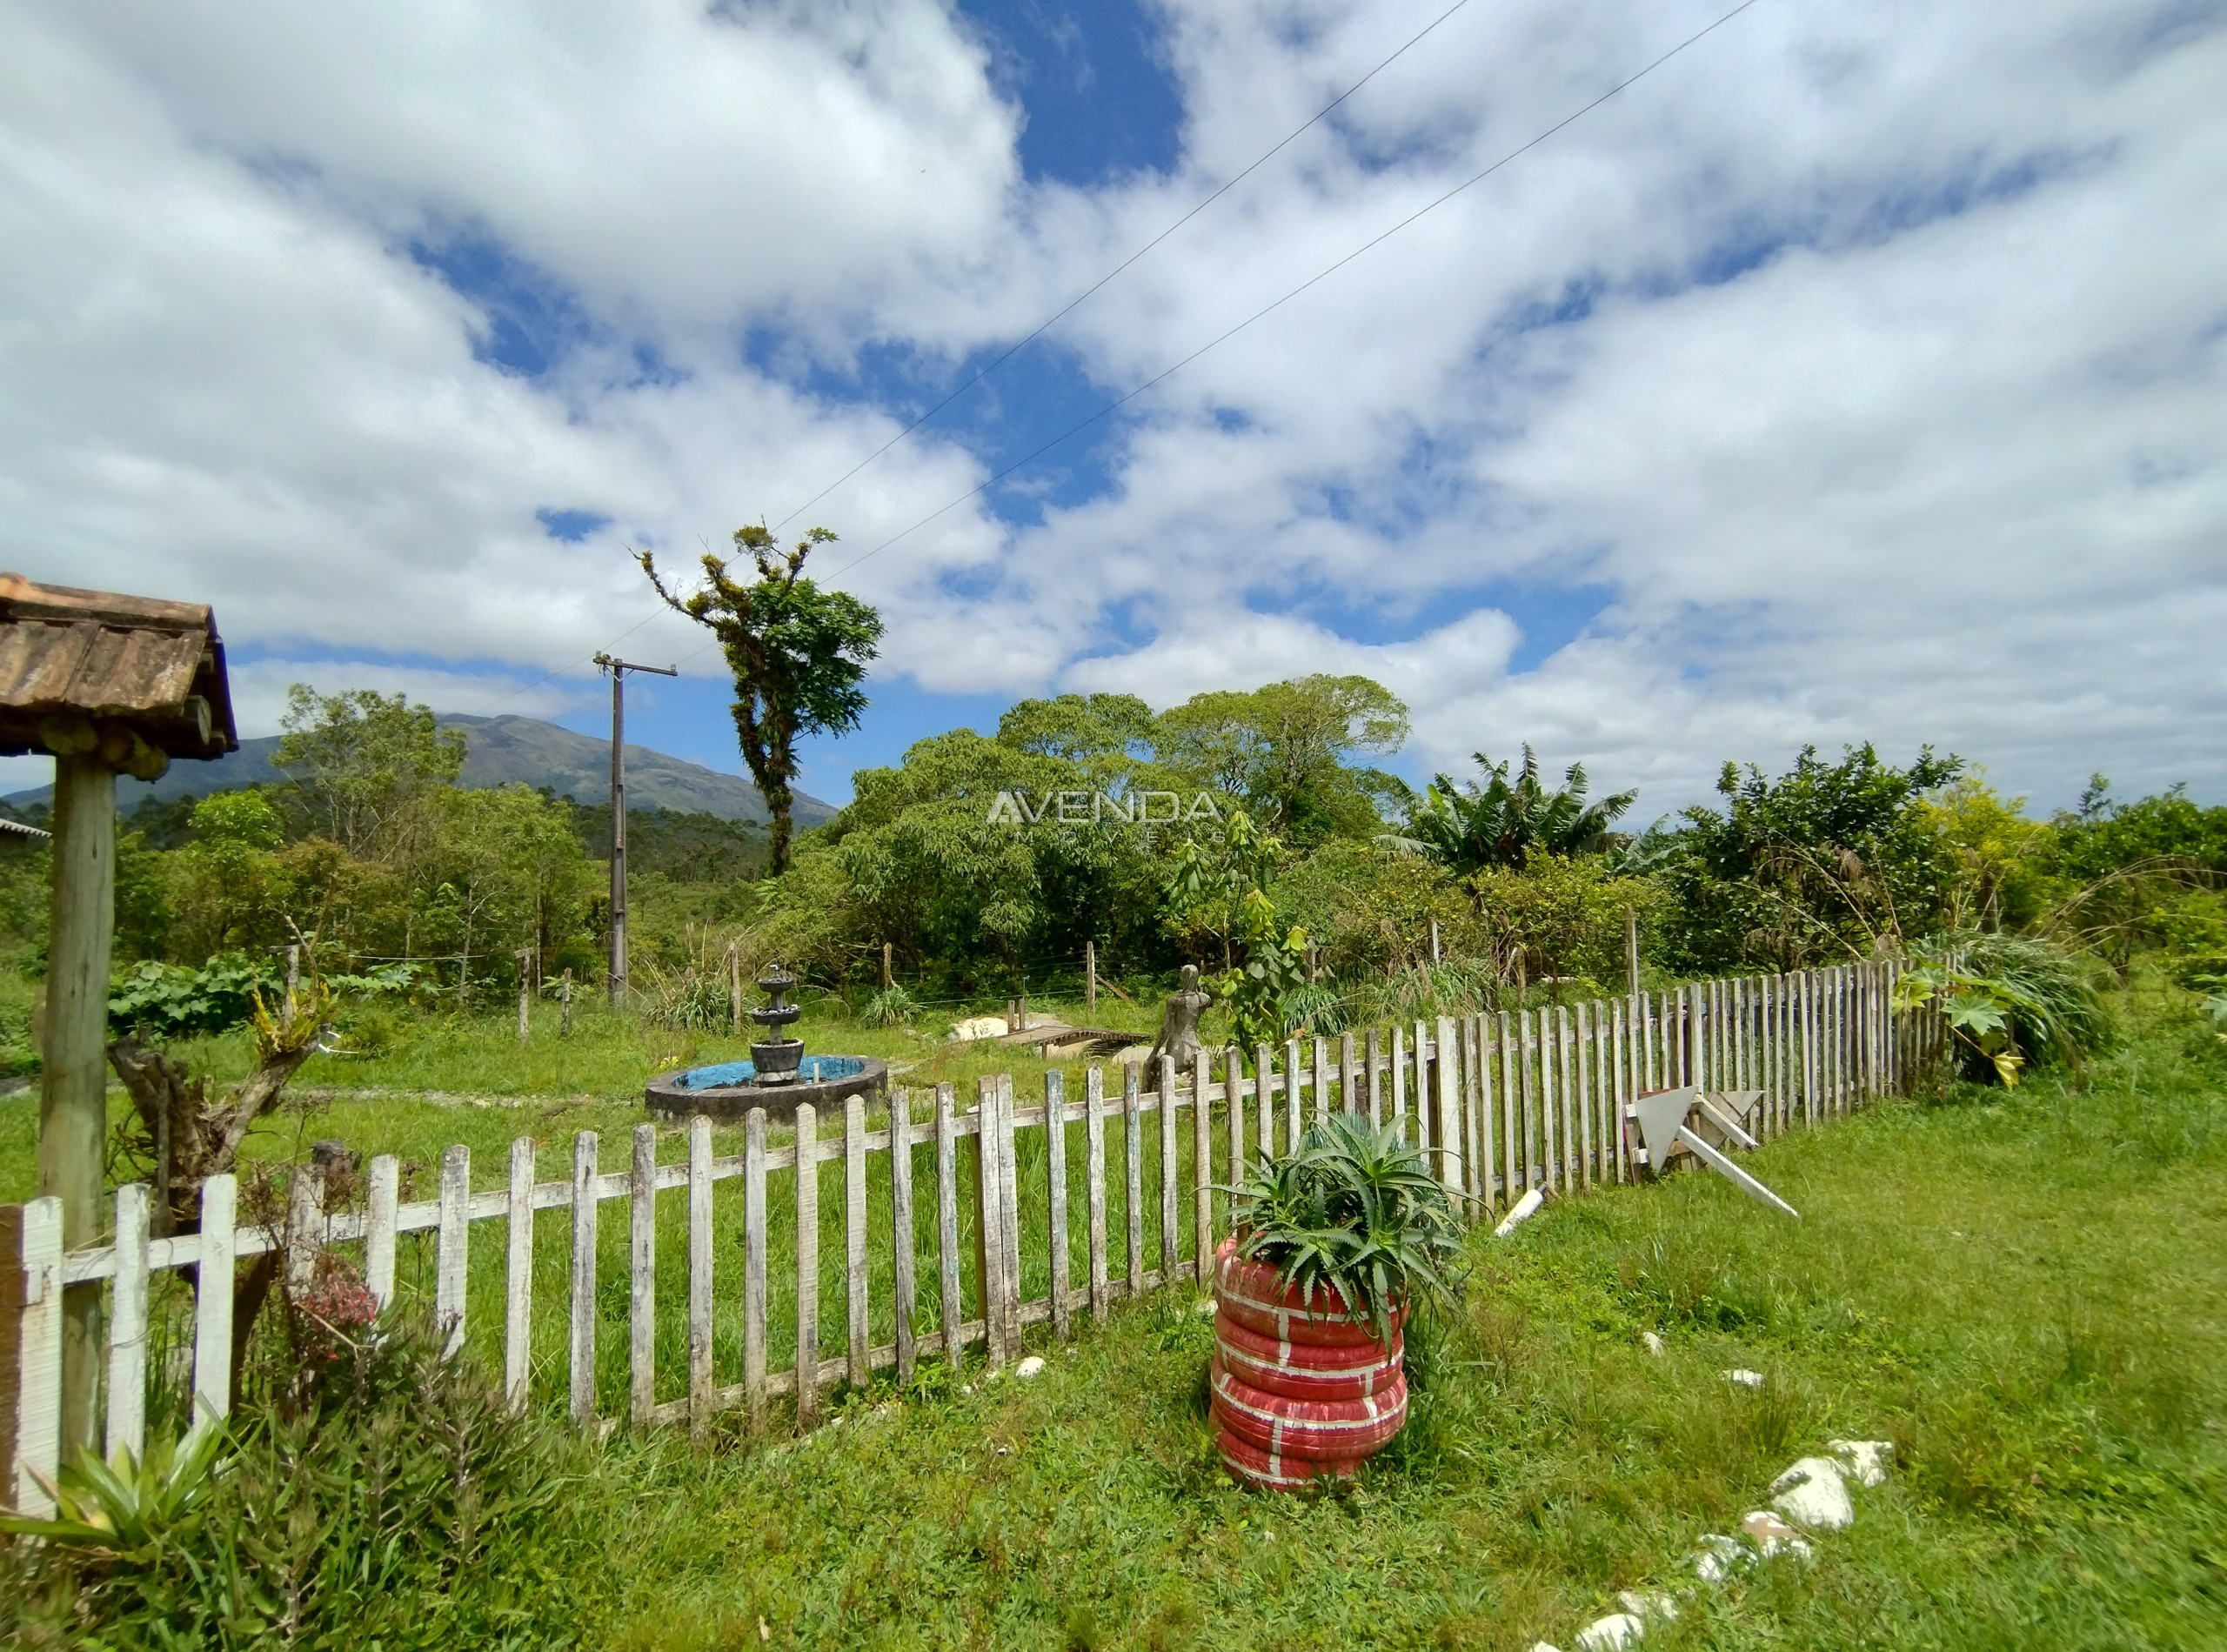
(1251,1295)
(1277,1472)
(1330,1432)
(1303,1370)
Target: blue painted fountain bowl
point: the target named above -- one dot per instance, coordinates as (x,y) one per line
(728,1090)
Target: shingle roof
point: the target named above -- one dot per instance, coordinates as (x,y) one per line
(155,667)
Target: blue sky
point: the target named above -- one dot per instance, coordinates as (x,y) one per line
(1853,375)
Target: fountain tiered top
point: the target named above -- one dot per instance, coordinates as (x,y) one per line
(778,1077)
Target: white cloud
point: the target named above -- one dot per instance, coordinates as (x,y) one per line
(1868,358)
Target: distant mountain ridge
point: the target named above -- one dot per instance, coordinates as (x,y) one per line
(499,750)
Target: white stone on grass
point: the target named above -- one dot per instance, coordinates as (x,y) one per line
(1773,1536)
(1652,1344)
(1612,1633)
(1719,1558)
(1744,1378)
(1649,1603)
(1813,1494)
(1204,1308)
(1030,1367)
(979,1027)
(1867,1460)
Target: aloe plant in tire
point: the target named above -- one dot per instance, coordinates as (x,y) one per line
(1334,1243)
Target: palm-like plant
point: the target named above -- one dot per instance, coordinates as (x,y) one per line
(1504,821)
(1354,1209)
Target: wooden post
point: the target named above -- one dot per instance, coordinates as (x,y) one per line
(526,993)
(734,988)
(1090,975)
(807,1237)
(564,1007)
(1631,952)
(1434,940)
(73,1093)
(888,979)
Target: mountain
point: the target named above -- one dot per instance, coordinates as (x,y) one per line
(499,750)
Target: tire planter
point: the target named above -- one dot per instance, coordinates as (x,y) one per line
(1298,1396)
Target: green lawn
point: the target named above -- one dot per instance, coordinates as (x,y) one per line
(2027,1293)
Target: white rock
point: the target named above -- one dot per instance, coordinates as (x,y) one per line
(1773,1536)
(1204,1309)
(1611,1633)
(979,1027)
(1542,1646)
(1030,1367)
(1721,1558)
(1652,1344)
(1813,1494)
(1647,1604)
(1867,1460)
(1525,1208)
(1745,1379)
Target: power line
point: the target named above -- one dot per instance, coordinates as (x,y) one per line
(1051,321)
(1318,276)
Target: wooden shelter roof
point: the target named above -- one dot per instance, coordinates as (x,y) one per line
(151,666)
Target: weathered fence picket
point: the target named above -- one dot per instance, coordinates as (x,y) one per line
(1503,1102)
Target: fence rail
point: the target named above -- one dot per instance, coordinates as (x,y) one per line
(1505,1102)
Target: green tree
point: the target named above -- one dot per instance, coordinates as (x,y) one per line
(798,654)
(934,866)
(1284,749)
(1100,734)
(361,760)
(1468,827)
(226,887)
(1559,917)
(1829,860)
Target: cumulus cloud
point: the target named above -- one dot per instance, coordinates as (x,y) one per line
(1864,362)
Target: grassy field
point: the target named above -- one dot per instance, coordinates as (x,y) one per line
(2026,1293)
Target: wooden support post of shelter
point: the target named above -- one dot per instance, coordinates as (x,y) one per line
(105,685)
(1090,975)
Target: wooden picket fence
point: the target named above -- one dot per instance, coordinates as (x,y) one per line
(1504,1103)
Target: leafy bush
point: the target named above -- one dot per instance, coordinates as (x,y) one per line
(1354,1209)
(168,1001)
(394,1499)
(892,1007)
(2010,1002)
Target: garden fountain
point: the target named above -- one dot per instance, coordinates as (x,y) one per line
(778,1077)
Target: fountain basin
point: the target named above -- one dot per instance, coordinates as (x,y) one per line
(727,1090)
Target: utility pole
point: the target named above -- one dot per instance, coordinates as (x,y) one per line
(619,668)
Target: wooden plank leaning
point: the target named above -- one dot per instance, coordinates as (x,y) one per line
(127,1328)
(212,1299)
(703,1400)
(1132,1154)
(1094,1148)
(518,1276)
(455,1243)
(1449,1112)
(30,1330)
(903,1257)
(582,1340)
(947,1265)
(858,1346)
(989,1232)
(1055,1162)
(1203,1167)
(642,1277)
(807,1206)
(753,1269)
(1168,1166)
(382,1197)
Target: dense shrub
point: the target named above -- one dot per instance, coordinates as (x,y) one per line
(385,1496)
